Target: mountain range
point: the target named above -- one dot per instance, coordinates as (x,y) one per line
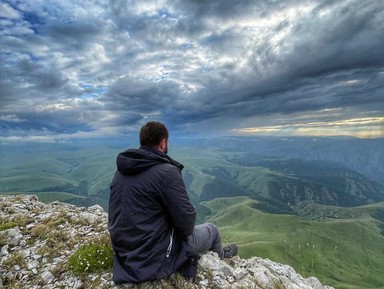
(314,203)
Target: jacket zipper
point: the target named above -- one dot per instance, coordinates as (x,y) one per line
(170,243)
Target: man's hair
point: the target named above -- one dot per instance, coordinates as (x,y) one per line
(152,133)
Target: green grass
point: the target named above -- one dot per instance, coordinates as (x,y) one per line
(93,257)
(7,225)
(344,253)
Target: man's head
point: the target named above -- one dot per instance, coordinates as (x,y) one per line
(154,134)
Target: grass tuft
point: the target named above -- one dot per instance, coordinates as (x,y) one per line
(92,257)
(5,224)
(40,231)
(15,259)
(3,239)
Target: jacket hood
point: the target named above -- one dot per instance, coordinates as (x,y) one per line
(134,161)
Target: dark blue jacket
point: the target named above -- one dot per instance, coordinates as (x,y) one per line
(149,216)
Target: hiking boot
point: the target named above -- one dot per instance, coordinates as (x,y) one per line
(229,251)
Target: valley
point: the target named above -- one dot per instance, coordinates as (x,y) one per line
(316,205)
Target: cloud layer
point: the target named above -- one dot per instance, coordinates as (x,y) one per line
(100,68)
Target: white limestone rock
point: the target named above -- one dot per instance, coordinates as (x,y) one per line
(47,277)
(240,273)
(4,250)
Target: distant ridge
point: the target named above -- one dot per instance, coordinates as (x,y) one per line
(279,184)
(365,156)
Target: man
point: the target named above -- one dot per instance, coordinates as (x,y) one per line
(151,219)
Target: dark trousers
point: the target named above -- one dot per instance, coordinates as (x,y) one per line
(206,237)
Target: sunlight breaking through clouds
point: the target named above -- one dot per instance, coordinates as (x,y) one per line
(360,127)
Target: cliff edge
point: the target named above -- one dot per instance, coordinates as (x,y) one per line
(58,245)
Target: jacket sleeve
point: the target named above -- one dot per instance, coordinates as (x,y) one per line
(181,212)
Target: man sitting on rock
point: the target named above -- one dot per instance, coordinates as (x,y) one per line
(151,219)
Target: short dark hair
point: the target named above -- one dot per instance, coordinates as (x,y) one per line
(152,133)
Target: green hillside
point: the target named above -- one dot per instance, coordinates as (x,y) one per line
(210,173)
(303,213)
(44,169)
(343,252)
(280,183)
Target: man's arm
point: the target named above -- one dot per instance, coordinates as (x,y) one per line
(177,204)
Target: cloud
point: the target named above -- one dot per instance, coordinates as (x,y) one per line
(213,67)
(8,12)
(367,127)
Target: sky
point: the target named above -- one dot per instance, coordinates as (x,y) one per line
(102,68)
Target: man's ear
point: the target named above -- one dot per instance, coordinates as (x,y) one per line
(163,145)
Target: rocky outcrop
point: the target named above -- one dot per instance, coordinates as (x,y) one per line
(38,240)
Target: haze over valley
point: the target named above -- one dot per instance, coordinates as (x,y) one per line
(314,203)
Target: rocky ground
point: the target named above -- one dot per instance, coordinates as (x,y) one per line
(41,246)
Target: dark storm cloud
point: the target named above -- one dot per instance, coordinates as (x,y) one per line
(347,39)
(317,54)
(109,66)
(144,96)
